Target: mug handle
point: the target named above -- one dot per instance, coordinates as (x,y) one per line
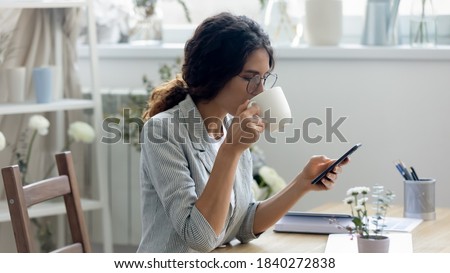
(250,104)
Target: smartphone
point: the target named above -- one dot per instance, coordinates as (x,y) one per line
(337,162)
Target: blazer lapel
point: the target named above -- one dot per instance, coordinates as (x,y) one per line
(190,117)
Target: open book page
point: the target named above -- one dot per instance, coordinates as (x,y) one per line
(343,243)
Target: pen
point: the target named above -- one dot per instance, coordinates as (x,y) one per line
(400,170)
(407,174)
(414,174)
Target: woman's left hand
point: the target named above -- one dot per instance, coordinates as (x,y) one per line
(315,166)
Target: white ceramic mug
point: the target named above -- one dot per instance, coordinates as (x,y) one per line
(323,22)
(16,77)
(275,110)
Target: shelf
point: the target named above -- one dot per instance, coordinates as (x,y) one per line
(48,208)
(27,108)
(361,52)
(43,4)
(341,52)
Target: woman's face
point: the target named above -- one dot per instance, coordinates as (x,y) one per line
(235,92)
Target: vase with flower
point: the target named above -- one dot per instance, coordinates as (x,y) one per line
(278,22)
(147,29)
(422,24)
(38,126)
(369,230)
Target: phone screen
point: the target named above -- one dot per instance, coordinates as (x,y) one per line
(337,162)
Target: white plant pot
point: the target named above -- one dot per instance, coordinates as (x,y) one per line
(373,244)
(323,22)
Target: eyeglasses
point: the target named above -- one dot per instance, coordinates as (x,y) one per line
(253,83)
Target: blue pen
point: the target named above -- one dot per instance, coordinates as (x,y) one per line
(408,176)
(400,170)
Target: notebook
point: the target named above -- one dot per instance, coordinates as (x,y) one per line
(319,223)
(309,222)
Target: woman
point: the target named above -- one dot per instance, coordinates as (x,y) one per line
(196,169)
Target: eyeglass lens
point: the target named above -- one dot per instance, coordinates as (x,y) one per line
(268,82)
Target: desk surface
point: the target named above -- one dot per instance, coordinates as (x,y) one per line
(429,236)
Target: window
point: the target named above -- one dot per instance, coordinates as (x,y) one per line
(200,9)
(120,21)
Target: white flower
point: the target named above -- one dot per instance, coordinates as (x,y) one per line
(39,123)
(258,193)
(348,200)
(272,179)
(363,201)
(2,141)
(81,131)
(358,190)
(359,208)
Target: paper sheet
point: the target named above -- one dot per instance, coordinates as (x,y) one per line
(401,224)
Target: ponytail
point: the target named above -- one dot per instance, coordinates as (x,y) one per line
(165,97)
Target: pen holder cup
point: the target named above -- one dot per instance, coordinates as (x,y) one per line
(419,199)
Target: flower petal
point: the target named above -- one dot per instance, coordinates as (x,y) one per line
(81,132)
(39,123)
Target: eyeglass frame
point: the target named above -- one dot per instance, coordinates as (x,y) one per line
(259,82)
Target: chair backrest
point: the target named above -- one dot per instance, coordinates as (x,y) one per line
(20,198)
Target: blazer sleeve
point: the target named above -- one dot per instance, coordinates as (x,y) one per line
(245,233)
(168,170)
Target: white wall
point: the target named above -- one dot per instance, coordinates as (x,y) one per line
(397,109)
(396,102)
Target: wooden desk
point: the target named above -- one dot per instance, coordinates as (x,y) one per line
(429,236)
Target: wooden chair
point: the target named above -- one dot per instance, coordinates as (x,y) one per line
(20,198)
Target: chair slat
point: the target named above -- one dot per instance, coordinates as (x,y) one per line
(46,189)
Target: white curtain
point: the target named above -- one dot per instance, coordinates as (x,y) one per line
(31,45)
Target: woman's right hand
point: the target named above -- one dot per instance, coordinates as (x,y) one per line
(315,166)
(245,128)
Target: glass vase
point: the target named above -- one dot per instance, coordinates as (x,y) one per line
(278,23)
(422,24)
(148,27)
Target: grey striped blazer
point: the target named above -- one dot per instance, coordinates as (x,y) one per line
(176,160)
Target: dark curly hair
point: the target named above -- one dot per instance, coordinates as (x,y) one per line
(216,53)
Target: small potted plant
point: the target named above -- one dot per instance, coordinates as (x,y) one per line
(369,230)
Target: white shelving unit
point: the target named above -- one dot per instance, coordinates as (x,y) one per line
(65,104)
(58,105)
